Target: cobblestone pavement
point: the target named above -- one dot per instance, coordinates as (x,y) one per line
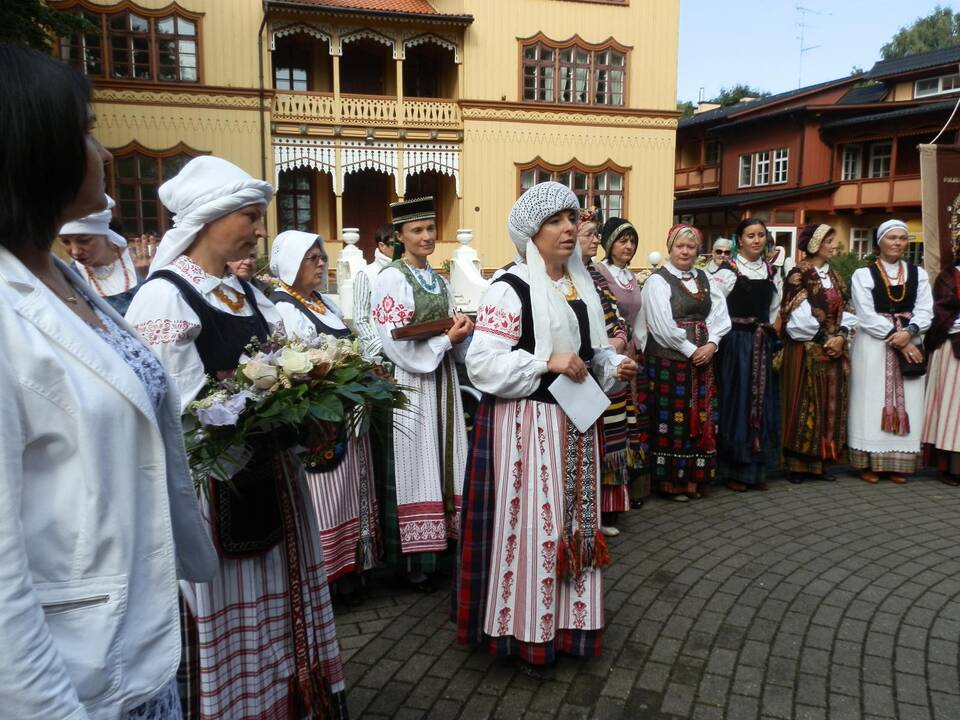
(825,600)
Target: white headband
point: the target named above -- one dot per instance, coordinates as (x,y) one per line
(206,189)
(889,225)
(96,224)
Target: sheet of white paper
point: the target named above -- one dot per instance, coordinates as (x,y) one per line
(583,402)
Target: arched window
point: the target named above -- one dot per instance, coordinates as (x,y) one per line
(573,71)
(601,186)
(127,42)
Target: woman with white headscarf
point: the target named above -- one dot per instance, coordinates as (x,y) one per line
(268,608)
(683,317)
(894,306)
(101,257)
(529,581)
(342,486)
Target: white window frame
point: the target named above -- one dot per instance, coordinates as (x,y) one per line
(852,170)
(761,168)
(781,166)
(748,166)
(875,156)
(939,90)
(775,230)
(861,241)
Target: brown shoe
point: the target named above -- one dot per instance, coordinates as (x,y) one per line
(951,480)
(898,478)
(761,486)
(736,486)
(870,476)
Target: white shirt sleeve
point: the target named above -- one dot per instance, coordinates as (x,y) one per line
(393,307)
(658,317)
(169,326)
(604,367)
(802,326)
(724,279)
(718,321)
(493,365)
(923,308)
(370,344)
(869,320)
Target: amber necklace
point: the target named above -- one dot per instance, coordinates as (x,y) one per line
(316,305)
(565,286)
(886,282)
(92,274)
(234,304)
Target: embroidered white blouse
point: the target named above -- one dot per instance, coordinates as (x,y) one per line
(656,317)
(169,326)
(495,367)
(874,324)
(726,278)
(370,344)
(802,326)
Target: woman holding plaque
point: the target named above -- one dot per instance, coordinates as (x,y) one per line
(421,499)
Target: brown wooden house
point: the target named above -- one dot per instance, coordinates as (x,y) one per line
(842,152)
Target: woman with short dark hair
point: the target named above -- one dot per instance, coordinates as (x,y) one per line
(97,510)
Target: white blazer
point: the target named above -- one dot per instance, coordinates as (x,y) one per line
(97,510)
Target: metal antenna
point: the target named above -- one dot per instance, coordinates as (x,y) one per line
(803,27)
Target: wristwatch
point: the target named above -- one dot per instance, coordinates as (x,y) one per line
(913,329)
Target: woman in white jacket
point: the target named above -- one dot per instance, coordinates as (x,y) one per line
(97,508)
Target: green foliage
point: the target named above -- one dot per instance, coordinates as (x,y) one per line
(33,24)
(845,264)
(686,108)
(733,95)
(939,29)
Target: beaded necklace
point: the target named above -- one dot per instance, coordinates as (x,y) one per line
(314,304)
(431,284)
(234,304)
(886,282)
(92,274)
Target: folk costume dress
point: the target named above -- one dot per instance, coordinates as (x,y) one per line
(748,441)
(342,490)
(623,448)
(886,409)
(259,639)
(529,581)
(116,282)
(813,385)
(681,310)
(422,498)
(941,427)
(371,346)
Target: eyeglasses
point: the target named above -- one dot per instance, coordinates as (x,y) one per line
(723,252)
(315,258)
(594,233)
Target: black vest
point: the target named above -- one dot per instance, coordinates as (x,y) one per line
(279,296)
(683,306)
(223,336)
(882,303)
(528,340)
(751,298)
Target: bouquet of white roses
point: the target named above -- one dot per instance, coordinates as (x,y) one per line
(287,393)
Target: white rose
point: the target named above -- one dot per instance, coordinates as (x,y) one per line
(262,375)
(322,361)
(294,363)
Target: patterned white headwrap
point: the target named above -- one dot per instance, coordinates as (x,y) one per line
(96,224)
(206,189)
(288,251)
(889,225)
(555,326)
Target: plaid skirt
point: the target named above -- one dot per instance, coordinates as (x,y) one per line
(678,462)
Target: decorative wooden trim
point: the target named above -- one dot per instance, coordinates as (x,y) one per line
(574,164)
(104,11)
(320,32)
(575,39)
(615,3)
(180,148)
(587,115)
(163,97)
(410,40)
(349,35)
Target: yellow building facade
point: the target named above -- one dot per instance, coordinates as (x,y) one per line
(348,105)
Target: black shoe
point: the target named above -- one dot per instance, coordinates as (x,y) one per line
(796,478)
(536,672)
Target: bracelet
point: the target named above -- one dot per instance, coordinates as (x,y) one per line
(913,329)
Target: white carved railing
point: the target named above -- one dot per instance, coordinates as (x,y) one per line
(304,107)
(432,113)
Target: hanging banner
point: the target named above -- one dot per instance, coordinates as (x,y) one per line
(940,192)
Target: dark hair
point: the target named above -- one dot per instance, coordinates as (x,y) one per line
(44,117)
(384,235)
(747,222)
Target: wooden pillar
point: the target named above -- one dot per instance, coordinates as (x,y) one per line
(401,115)
(337,110)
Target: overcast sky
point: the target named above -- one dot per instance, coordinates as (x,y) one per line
(756,41)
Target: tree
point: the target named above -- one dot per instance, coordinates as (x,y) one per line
(939,29)
(686,108)
(733,95)
(34,24)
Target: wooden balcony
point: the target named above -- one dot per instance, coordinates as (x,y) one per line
(878,192)
(699,177)
(365,110)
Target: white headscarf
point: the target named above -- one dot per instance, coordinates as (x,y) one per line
(206,189)
(722,244)
(287,252)
(890,225)
(555,326)
(96,224)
